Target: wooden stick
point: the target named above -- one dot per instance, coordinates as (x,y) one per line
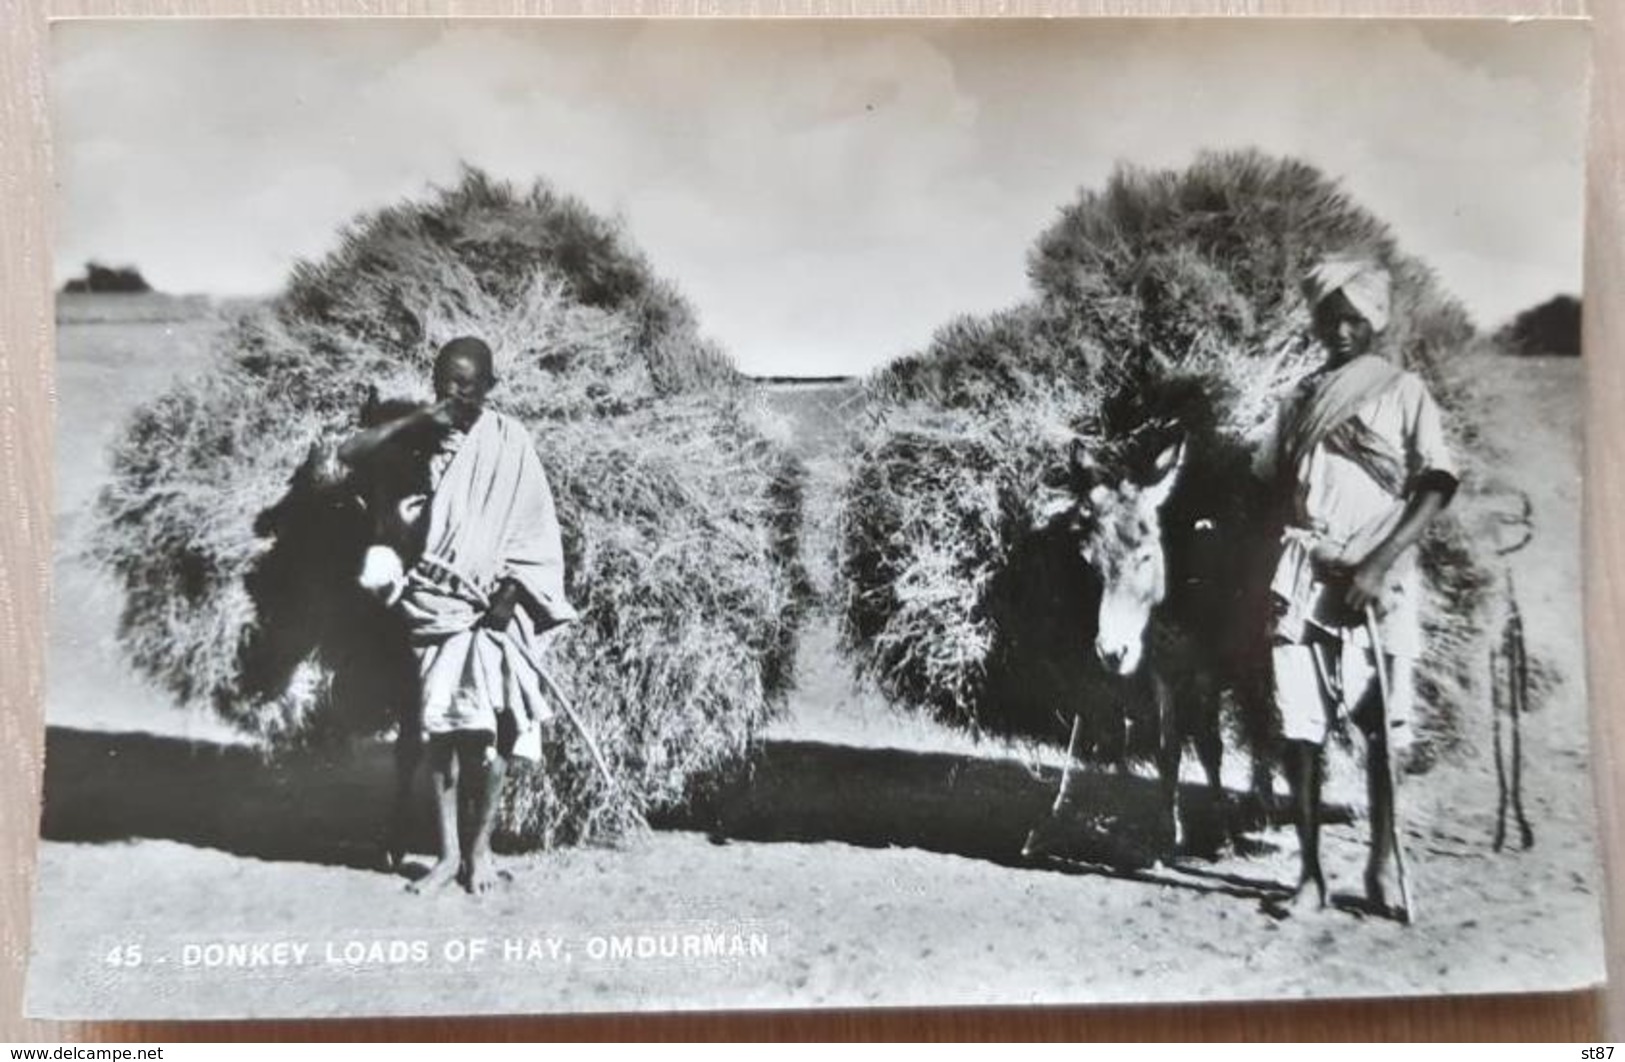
(586,735)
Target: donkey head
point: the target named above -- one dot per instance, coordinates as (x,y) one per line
(1120,537)
(392,492)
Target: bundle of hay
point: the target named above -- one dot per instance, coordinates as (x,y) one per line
(1164,297)
(680,515)
(939,496)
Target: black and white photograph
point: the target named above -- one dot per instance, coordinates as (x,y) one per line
(585,515)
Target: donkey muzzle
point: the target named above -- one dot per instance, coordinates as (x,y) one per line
(382,574)
(1121,639)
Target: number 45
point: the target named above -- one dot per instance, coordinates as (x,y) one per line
(130,955)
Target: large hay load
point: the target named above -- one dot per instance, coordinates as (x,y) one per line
(1165,302)
(680,515)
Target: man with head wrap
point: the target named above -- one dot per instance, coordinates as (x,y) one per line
(1357,455)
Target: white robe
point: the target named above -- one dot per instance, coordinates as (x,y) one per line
(491,516)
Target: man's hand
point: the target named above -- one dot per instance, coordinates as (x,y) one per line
(1369,578)
(503,603)
(443,414)
(366,443)
(1368,581)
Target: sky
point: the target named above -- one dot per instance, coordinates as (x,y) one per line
(826,194)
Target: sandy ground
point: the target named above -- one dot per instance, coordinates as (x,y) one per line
(871,858)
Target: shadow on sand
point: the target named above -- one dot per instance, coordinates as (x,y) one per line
(329,807)
(311,807)
(977,808)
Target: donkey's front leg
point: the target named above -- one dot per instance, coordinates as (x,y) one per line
(1204,721)
(408,756)
(1170,744)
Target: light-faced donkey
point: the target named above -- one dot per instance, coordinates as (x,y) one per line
(1179,623)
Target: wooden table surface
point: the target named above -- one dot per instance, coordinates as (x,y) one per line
(25,482)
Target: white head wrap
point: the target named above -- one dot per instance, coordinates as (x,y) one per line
(1362,281)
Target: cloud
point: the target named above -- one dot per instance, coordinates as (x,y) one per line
(826,193)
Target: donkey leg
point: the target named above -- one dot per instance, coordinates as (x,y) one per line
(1119,721)
(1262,742)
(1210,751)
(1303,775)
(1170,749)
(408,757)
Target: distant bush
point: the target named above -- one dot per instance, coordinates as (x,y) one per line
(1550,329)
(103,280)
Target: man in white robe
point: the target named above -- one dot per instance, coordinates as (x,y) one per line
(1358,453)
(479,601)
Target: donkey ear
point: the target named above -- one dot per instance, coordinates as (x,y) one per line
(1166,468)
(1170,459)
(1082,464)
(1051,506)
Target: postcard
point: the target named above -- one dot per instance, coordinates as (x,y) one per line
(565,516)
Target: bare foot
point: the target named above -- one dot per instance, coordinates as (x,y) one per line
(1377,895)
(439,876)
(393,852)
(482,877)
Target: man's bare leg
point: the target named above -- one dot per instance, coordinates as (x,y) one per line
(1303,774)
(1380,794)
(470,772)
(485,781)
(443,777)
(1379,778)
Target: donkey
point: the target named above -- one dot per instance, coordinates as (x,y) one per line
(342,542)
(1172,603)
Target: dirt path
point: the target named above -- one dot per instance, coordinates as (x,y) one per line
(874,858)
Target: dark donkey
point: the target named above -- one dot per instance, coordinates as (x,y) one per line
(343,539)
(1180,618)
